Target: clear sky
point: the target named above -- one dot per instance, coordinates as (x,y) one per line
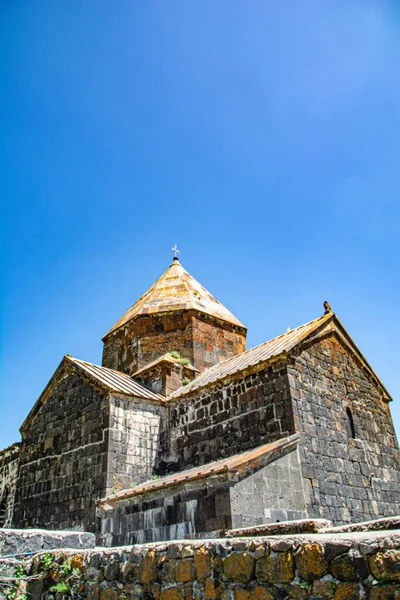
(262,137)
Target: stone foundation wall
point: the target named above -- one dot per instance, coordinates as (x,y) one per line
(178,512)
(317,567)
(9,466)
(227,419)
(209,505)
(346,479)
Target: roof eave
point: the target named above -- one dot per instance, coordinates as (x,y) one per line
(234,467)
(43,396)
(186,390)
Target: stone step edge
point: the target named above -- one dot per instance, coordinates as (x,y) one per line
(281,528)
(377,525)
(312,526)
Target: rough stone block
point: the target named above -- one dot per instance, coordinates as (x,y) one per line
(311,563)
(277,567)
(386,565)
(239,567)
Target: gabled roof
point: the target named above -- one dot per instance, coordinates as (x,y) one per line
(176,290)
(277,347)
(108,379)
(165,358)
(236,465)
(115,381)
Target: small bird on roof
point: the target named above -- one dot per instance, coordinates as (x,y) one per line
(327,307)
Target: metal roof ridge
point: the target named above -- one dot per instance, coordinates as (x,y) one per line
(126,380)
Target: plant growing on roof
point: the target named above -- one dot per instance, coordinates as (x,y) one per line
(183,361)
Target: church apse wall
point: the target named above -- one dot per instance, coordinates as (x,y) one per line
(349,451)
(227,418)
(64,459)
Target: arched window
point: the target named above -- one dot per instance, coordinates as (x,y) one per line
(350,424)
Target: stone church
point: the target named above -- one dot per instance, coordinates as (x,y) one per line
(182,432)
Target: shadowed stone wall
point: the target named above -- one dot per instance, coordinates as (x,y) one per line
(346,479)
(63,466)
(9,466)
(342,567)
(174,513)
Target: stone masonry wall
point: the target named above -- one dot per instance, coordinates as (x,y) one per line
(347,480)
(201,339)
(64,459)
(133,441)
(146,338)
(177,512)
(209,505)
(9,466)
(315,567)
(166,378)
(214,341)
(271,494)
(229,418)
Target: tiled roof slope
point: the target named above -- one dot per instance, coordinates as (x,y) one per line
(176,290)
(280,345)
(250,358)
(236,465)
(112,381)
(115,381)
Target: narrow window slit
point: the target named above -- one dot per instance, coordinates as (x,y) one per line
(350,424)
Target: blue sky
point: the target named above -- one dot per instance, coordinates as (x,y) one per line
(261,137)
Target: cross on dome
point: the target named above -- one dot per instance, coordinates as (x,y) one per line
(175,251)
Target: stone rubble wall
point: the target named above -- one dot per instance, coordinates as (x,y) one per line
(20,541)
(346,480)
(9,466)
(341,567)
(17,543)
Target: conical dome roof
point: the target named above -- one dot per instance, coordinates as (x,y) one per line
(177,290)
